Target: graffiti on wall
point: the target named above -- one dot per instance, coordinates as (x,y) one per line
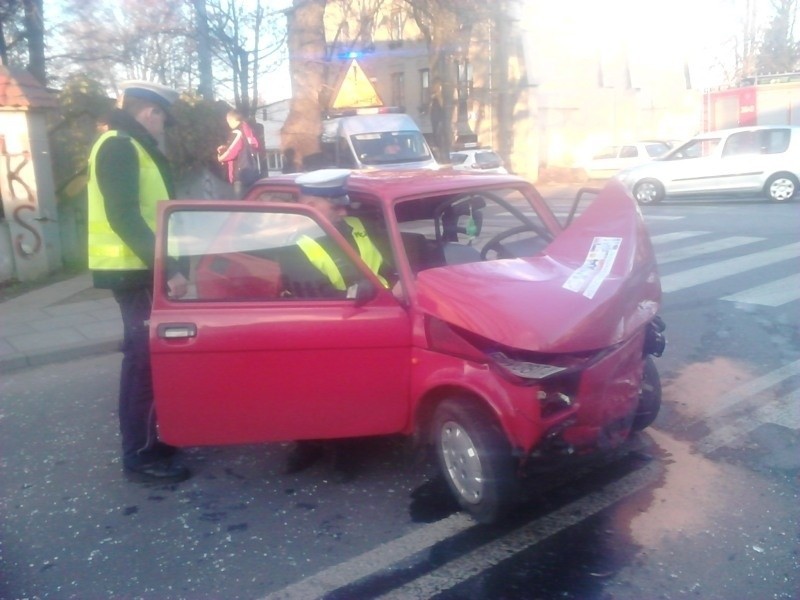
(29,242)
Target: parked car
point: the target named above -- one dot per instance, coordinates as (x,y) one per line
(612,159)
(503,340)
(483,160)
(761,160)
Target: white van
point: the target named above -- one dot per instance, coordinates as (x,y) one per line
(375,139)
(763,160)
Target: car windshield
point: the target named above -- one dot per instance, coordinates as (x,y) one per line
(656,148)
(471,227)
(694,149)
(390,147)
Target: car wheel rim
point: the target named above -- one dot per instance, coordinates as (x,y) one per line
(781,189)
(646,193)
(462,462)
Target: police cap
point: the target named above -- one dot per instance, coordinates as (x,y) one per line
(160,95)
(325,183)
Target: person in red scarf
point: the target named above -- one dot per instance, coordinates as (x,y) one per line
(240,154)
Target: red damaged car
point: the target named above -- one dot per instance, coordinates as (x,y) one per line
(501,337)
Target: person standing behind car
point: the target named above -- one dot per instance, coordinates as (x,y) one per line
(128,176)
(240,154)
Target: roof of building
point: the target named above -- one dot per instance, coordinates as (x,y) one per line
(20,89)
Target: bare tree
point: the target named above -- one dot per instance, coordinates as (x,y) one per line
(247,44)
(447,28)
(136,39)
(204,55)
(306,41)
(34,33)
(22,36)
(778,52)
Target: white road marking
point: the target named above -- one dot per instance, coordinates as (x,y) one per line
(462,568)
(774,293)
(374,560)
(493,553)
(784,411)
(754,387)
(675,236)
(724,268)
(704,248)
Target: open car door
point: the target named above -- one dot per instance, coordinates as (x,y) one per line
(262,347)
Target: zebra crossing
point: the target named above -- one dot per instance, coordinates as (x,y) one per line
(683,248)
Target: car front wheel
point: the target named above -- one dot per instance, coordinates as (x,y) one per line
(648,191)
(781,187)
(475,458)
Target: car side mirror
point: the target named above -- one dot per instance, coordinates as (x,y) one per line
(362,291)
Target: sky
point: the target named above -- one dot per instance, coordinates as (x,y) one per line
(701,30)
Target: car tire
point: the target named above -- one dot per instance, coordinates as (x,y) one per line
(649,396)
(648,191)
(474,457)
(781,187)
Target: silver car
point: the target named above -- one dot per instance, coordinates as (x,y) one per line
(764,160)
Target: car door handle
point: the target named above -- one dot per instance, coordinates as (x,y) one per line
(174,331)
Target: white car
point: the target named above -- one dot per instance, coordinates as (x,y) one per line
(612,159)
(484,160)
(761,160)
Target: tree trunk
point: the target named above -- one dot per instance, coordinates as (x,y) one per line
(206,87)
(306,40)
(34,27)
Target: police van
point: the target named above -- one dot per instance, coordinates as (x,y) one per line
(374,138)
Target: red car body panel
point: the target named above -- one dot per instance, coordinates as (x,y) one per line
(522,303)
(266,371)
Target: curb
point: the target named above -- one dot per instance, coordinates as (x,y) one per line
(19,362)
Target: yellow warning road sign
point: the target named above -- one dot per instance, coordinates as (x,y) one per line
(355,90)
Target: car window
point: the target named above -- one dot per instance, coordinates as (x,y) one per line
(696,149)
(274,196)
(656,149)
(744,142)
(628,152)
(609,152)
(460,228)
(457,158)
(230,256)
(488,159)
(406,146)
(774,141)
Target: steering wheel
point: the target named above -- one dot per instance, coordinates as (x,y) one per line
(494,242)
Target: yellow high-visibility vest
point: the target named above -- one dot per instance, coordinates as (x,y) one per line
(318,256)
(106,249)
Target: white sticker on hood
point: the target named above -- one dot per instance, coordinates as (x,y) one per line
(587,278)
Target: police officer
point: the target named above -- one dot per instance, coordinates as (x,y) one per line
(325,191)
(128,175)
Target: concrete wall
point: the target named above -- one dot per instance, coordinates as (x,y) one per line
(29,204)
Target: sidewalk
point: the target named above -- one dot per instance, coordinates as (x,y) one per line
(58,322)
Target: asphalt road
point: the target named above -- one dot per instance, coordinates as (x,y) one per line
(702,505)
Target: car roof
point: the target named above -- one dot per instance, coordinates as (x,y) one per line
(724,132)
(390,185)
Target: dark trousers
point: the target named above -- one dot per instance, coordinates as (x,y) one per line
(137,416)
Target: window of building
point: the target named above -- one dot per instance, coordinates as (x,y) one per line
(424,89)
(396,25)
(274,160)
(398,89)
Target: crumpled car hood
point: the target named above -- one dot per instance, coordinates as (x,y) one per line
(594,286)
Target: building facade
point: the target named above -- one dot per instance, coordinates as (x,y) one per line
(542,83)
